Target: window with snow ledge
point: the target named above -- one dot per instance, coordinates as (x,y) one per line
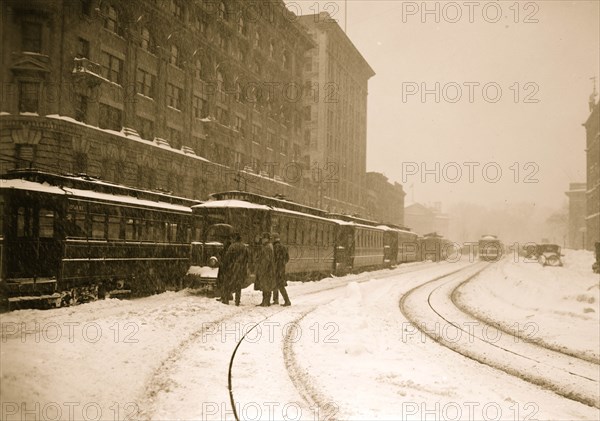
(110,118)
(29,97)
(174,95)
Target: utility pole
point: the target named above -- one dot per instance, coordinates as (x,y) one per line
(345,15)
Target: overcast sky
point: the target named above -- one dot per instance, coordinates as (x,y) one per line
(541,55)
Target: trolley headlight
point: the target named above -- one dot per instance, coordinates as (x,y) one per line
(213,262)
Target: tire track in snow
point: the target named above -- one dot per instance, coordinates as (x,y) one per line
(160,379)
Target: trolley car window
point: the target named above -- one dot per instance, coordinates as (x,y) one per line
(76,225)
(24,223)
(171,231)
(131,229)
(148,232)
(46,223)
(292,232)
(283,234)
(114,227)
(98,225)
(164,232)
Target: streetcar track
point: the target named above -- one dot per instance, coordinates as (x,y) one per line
(491,343)
(537,380)
(498,325)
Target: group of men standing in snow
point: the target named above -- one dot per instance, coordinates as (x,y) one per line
(271,258)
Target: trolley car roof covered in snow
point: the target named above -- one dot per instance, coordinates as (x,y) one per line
(18,184)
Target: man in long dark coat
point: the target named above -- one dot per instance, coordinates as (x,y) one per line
(222,272)
(281,258)
(265,269)
(236,261)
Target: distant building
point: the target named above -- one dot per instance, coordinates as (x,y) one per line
(592,218)
(577,212)
(335,103)
(385,200)
(425,219)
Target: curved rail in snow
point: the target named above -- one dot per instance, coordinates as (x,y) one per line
(455,297)
(430,308)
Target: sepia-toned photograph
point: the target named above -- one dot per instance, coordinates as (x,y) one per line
(308,210)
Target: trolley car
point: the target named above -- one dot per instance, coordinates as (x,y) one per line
(305,231)
(435,247)
(401,245)
(363,241)
(490,248)
(67,239)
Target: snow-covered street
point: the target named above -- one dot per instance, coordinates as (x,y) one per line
(344,350)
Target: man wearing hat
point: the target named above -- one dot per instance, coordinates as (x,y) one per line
(281,258)
(236,260)
(265,269)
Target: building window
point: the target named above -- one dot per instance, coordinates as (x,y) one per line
(198,69)
(223,42)
(174,57)
(200,107)
(174,138)
(81,108)
(257,39)
(239,92)
(271,49)
(241,26)
(111,20)
(222,11)
(174,96)
(239,123)
(110,118)
(285,60)
(146,42)
(256,132)
(270,141)
(83,48)
(223,116)
(220,82)
(31,37)
(86,7)
(145,83)
(145,128)
(112,68)
(176,9)
(29,97)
